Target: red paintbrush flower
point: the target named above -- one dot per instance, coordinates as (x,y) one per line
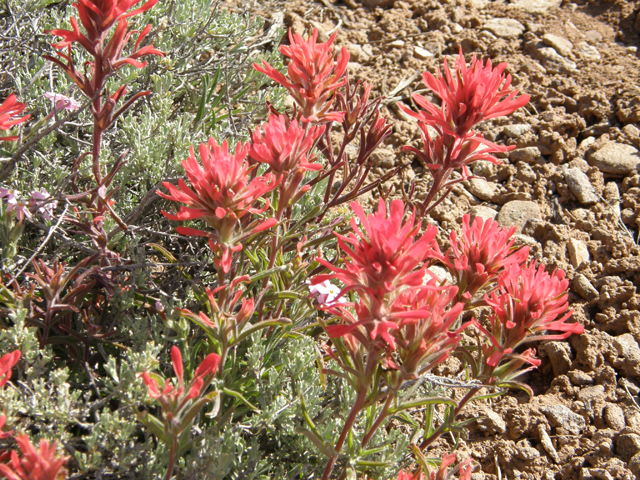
(7,362)
(9,110)
(469,95)
(285,145)
(223,191)
(384,256)
(528,302)
(35,464)
(313,75)
(482,252)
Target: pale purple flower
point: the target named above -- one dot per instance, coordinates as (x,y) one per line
(62,102)
(326,292)
(41,199)
(22,210)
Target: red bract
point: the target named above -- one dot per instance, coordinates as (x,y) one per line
(443,472)
(171,396)
(528,302)
(35,464)
(481,253)
(7,362)
(224,192)
(9,110)
(313,75)
(385,255)
(3,434)
(469,95)
(285,145)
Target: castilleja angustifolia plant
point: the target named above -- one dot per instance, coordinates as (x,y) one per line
(283,246)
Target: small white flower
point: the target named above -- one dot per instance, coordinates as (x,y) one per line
(62,102)
(326,292)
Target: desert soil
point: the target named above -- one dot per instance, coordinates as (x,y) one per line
(572,187)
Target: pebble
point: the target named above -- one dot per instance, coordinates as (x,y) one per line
(518,213)
(578,377)
(612,196)
(526,154)
(397,43)
(560,44)
(383,157)
(591,394)
(584,288)
(627,445)
(546,443)
(628,349)
(421,53)
(442,274)
(580,186)
(634,465)
(482,189)
(615,158)
(561,416)
(593,36)
(631,131)
(525,173)
(578,252)
(357,53)
(485,213)
(492,423)
(560,357)
(614,416)
(554,62)
(504,27)
(588,52)
(536,6)
(627,384)
(517,130)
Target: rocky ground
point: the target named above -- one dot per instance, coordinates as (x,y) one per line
(572,187)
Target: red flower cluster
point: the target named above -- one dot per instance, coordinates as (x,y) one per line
(224,194)
(36,464)
(7,362)
(97,18)
(172,399)
(385,265)
(528,302)
(469,95)
(313,76)
(9,110)
(483,251)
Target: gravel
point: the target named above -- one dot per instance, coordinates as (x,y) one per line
(615,158)
(580,186)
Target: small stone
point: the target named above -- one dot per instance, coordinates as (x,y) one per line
(628,349)
(580,186)
(482,189)
(518,213)
(593,36)
(397,43)
(588,52)
(560,357)
(536,6)
(634,465)
(421,53)
(561,416)
(485,213)
(578,252)
(519,239)
(615,158)
(591,394)
(614,416)
(554,62)
(526,154)
(441,273)
(546,443)
(525,173)
(627,445)
(560,44)
(632,49)
(357,53)
(492,423)
(504,27)
(631,131)
(517,130)
(383,157)
(579,378)
(584,288)
(628,385)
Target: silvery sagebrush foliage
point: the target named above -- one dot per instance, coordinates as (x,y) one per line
(249,319)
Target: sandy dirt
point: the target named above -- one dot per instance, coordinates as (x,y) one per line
(572,187)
